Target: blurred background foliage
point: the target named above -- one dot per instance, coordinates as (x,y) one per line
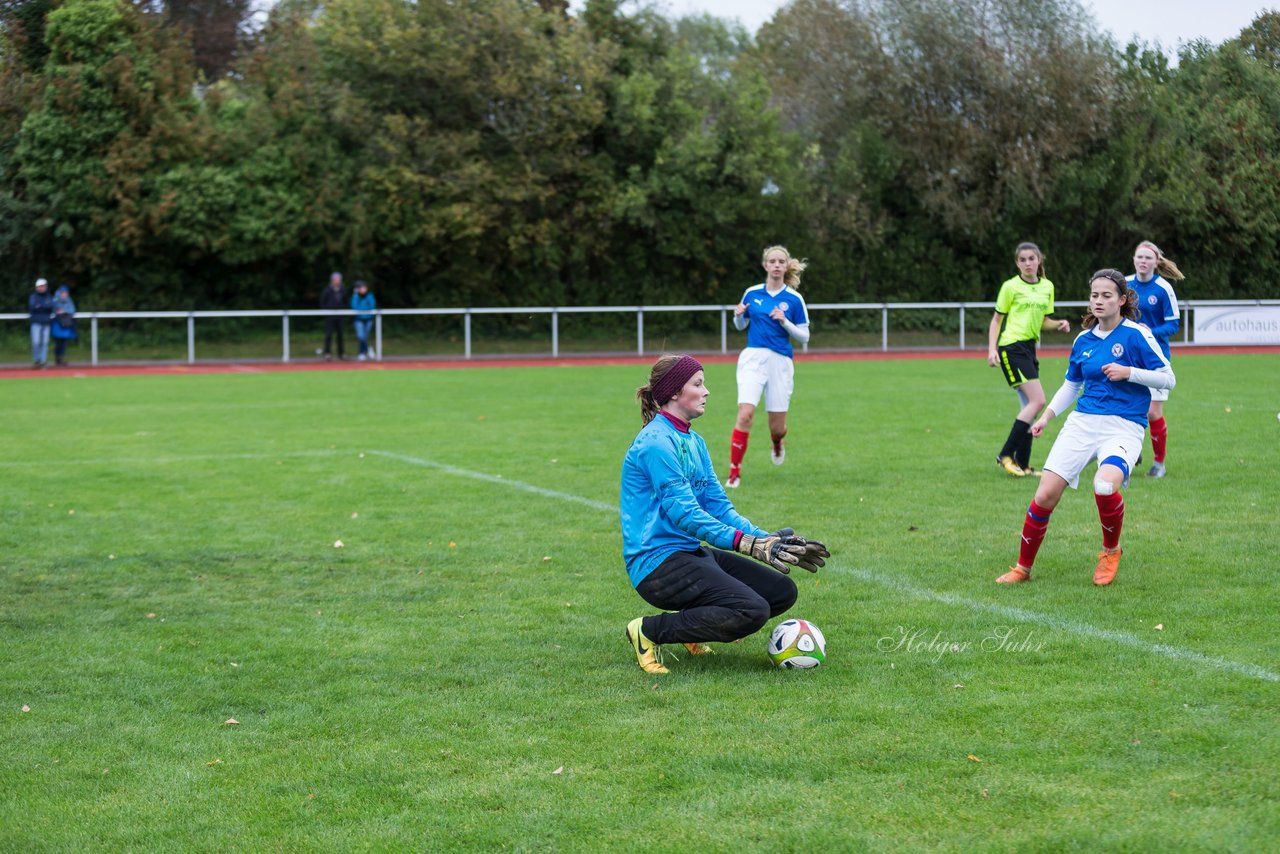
(196,154)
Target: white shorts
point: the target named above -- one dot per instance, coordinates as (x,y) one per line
(1085,438)
(1160,394)
(761,369)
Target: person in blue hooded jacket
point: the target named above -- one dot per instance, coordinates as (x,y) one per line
(670,504)
(40,307)
(363,300)
(63,329)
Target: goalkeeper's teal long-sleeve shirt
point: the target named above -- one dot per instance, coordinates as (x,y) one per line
(671,500)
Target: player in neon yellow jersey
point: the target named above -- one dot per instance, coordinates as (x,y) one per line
(1022,312)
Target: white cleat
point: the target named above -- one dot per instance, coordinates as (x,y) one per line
(778,455)
(733,483)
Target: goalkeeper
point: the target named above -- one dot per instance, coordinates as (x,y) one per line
(671,503)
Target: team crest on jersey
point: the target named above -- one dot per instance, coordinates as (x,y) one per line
(785,306)
(1117,350)
(1151,300)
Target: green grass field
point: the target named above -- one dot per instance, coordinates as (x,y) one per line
(455,676)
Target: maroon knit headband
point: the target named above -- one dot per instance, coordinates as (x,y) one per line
(670,383)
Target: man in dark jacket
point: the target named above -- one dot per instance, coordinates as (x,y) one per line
(333,296)
(40,304)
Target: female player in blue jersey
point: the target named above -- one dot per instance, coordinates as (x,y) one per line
(1158,311)
(773,313)
(670,503)
(1117,363)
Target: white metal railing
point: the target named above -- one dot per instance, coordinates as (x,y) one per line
(725,311)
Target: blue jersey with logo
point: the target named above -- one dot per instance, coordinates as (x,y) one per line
(1157,308)
(763,330)
(1127,344)
(670,499)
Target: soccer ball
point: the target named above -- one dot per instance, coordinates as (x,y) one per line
(797,643)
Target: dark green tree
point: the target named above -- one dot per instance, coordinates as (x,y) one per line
(943,128)
(703,176)
(115,110)
(1208,193)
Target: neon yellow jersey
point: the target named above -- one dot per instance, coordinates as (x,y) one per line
(1024,306)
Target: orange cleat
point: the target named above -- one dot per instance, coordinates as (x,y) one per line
(1108,565)
(699,649)
(1015,575)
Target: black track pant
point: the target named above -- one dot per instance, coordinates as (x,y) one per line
(716,596)
(332,327)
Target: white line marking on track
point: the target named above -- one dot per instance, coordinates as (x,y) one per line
(1007,611)
(490,478)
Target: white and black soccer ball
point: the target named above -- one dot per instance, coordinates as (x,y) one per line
(797,643)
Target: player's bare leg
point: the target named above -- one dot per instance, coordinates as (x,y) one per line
(777,431)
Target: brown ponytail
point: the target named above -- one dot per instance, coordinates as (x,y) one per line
(1128,310)
(644,394)
(669,375)
(1031,247)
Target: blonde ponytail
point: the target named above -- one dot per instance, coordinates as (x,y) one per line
(1164,266)
(794,265)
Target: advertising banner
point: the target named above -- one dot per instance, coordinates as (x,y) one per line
(1237,324)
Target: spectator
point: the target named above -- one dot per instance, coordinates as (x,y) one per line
(40,305)
(64,323)
(362,300)
(333,296)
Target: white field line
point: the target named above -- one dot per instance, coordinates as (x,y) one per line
(491,478)
(897,585)
(161,459)
(1084,629)
(910,590)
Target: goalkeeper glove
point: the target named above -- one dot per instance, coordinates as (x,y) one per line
(815,552)
(772,549)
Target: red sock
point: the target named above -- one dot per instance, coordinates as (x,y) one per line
(1111,515)
(737,449)
(1033,528)
(1159,435)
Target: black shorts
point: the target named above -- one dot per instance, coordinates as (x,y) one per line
(1019,363)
